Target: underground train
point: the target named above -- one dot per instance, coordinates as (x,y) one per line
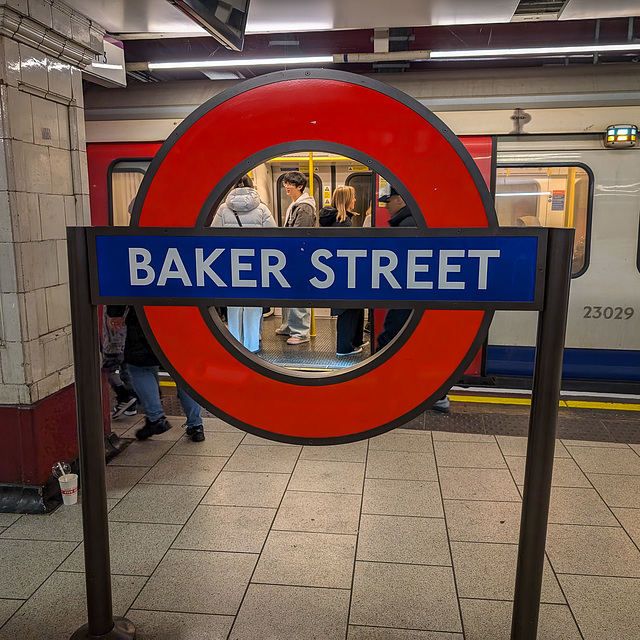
(542,148)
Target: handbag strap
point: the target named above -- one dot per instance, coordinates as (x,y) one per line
(237,218)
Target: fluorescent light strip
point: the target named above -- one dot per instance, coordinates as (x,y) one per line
(102,65)
(249,62)
(485,53)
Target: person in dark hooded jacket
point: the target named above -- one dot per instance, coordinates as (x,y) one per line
(400,216)
(143,369)
(350,324)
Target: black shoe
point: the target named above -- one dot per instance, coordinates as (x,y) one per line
(152,428)
(196,433)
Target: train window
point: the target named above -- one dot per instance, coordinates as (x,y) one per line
(362,183)
(125,178)
(551,196)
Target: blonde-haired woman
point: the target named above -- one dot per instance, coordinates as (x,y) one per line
(350,322)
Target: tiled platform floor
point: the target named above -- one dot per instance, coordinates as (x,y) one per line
(408,536)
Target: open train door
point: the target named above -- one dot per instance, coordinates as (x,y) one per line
(483,151)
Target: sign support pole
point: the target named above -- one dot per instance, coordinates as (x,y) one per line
(86,356)
(547,379)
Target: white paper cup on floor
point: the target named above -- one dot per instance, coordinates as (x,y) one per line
(69,488)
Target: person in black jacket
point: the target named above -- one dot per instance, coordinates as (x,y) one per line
(400,216)
(350,323)
(143,368)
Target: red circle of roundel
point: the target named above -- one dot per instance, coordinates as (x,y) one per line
(318,107)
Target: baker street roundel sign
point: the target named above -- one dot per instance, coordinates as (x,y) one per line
(453,278)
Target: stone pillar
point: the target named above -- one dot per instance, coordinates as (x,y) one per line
(44,187)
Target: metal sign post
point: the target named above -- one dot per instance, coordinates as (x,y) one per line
(95,526)
(547,379)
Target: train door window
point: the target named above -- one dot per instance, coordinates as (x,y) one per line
(549,196)
(125,178)
(362,183)
(284,200)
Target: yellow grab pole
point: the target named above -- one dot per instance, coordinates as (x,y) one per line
(312,330)
(571,192)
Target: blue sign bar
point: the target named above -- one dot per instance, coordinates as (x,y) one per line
(471,269)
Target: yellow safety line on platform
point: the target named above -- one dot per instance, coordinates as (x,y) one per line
(576,404)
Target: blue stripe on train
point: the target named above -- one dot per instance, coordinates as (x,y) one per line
(589,364)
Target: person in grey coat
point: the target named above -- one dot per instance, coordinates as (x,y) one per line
(296,322)
(243,208)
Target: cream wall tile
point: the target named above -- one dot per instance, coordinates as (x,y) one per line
(84,172)
(63,262)
(20,114)
(12,363)
(41,312)
(25,266)
(52,217)
(76,87)
(59,77)
(11,59)
(34,351)
(9,393)
(39,263)
(6,230)
(47,386)
(33,67)
(61,19)
(55,352)
(70,210)
(83,210)
(29,315)
(61,172)
(45,122)
(34,162)
(58,307)
(46,259)
(11,330)
(63,126)
(77,129)
(66,377)
(8,276)
(80,29)
(25,212)
(41,12)
(7,161)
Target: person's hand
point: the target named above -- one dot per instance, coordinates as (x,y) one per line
(115,323)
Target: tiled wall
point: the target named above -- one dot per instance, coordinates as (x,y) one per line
(43,188)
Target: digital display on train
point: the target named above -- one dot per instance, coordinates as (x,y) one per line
(319,269)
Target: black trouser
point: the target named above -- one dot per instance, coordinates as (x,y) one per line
(350,327)
(393,323)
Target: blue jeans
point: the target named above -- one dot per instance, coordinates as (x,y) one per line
(245,325)
(296,322)
(145,383)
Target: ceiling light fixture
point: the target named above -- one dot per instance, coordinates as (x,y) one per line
(248,62)
(531,51)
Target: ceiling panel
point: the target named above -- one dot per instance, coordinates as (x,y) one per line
(267,16)
(590,9)
(137,16)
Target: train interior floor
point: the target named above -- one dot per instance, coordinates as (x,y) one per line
(411,535)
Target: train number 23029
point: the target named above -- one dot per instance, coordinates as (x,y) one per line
(608,313)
